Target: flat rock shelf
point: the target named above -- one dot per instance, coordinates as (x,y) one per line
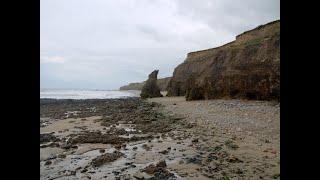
(159,138)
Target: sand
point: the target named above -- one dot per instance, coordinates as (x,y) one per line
(220,139)
(253,125)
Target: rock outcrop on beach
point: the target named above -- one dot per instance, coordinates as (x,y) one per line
(248,67)
(162,84)
(150,89)
(131,138)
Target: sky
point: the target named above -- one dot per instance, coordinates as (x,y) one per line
(104,44)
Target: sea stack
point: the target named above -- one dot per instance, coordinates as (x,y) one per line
(150,89)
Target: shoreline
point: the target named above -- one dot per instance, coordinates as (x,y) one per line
(195,139)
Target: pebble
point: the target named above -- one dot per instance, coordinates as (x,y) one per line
(61,156)
(164,152)
(47,163)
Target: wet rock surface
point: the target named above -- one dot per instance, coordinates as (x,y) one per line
(126,126)
(158,171)
(105,158)
(138,139)
(44,138)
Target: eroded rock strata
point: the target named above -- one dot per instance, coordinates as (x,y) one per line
(248,67)
(150,89)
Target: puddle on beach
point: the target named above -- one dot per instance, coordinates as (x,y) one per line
(192,149)
(136,155)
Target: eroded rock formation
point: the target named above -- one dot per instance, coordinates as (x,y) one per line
(248,67)
(150,89)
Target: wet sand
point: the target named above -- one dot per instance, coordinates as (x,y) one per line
(197,140)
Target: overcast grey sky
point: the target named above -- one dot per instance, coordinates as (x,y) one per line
(104,44)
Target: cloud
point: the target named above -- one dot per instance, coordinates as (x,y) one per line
(106,44)
(53,59)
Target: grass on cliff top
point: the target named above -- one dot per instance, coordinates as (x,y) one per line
(254,42)
(258,41)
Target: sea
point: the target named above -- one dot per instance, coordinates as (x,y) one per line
(86,94)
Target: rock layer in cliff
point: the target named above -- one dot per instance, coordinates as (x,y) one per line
(248,67)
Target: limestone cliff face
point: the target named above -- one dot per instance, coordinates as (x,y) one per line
(248,67)
(162,84)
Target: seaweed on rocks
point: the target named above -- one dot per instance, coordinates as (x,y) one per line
(158,171)
(105,138)
(97,137)
(105,158)
(48,137)
(144,115)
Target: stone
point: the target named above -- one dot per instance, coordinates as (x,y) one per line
(105,158)
(150,88)
(47,163)
(61,156)
(230,144)
(150,169)
(164,152)
(162,164)
(233,159)
(195,140)
(118,146)
(197,159)
(140,176)
(146,147)
(159,171)
(102,150)
(84,170)
(48,137)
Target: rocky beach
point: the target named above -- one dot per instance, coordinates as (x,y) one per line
(159,138)
(218,119)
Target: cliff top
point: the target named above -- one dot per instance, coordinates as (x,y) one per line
(260,31)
